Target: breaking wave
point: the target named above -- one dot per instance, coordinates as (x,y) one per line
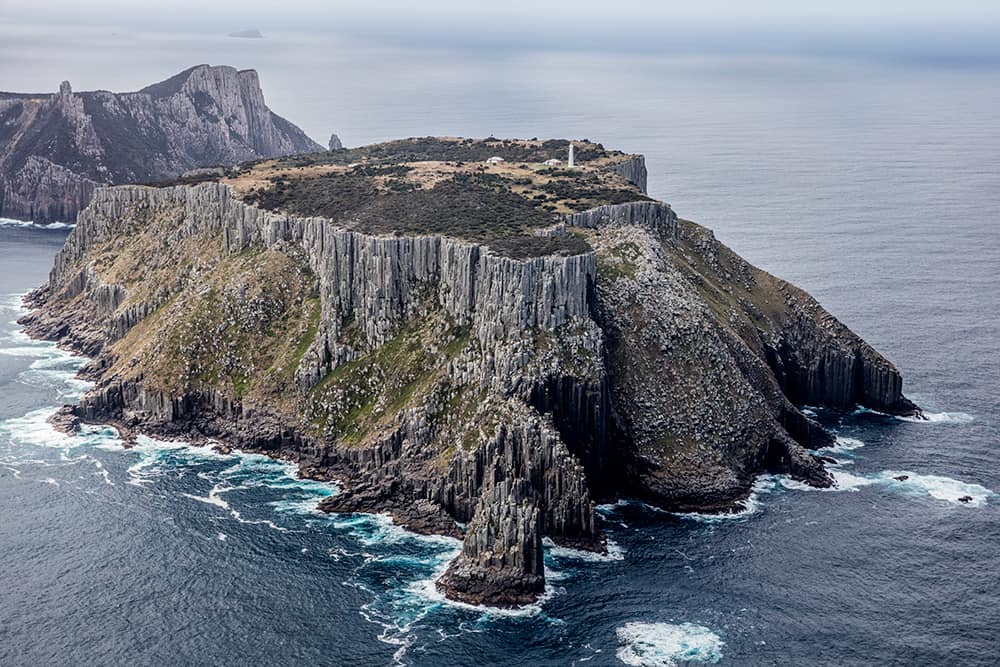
(666,644)
(940,418)
(10,222)
(924,418)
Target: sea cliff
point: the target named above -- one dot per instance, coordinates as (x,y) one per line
(57,148)
(464,389)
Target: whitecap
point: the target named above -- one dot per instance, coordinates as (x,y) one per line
(846,481)
(924,417)
(304,506)
(615,552)
(940,418)
(34,429)
(211,499)
(746,507)
(380,529)
(842,445)
(936,486)
(611,508)
(910,483)
(27,224)
(427,590)
(666,644)
(214,497)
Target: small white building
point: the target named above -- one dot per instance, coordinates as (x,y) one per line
(553,162)
(496,159)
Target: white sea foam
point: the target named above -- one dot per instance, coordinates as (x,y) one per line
(380,529)
(27,224)
(427,590)
(935,486)
(614,552)
(747,507)
(304,506)
(846,481)
(925,417)
(940,418)
(666,644)
(843,445)
(909,483)
(610,508)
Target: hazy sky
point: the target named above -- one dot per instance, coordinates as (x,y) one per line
(122,44)
(537,17)
(701,11)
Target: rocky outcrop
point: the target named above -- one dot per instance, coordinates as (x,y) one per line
(632,170)
(56,148)
(501,560)
(335,144)
(44,192)
(655,216)
(464,392)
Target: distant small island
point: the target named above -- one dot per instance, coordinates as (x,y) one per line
(252,33)
(470,335)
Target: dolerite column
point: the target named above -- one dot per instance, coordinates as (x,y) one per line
(501,560)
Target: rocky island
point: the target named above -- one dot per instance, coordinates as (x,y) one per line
(466,334)
(57,148)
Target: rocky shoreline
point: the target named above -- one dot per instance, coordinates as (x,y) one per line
(464,393)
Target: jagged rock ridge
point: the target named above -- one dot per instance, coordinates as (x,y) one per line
(448,384)
(55,149)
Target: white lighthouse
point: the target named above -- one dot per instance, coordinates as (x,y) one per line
(571,161)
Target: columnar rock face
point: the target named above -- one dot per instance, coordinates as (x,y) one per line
(464,392)
(55,149)
(633,170)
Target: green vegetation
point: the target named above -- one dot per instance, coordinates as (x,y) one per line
(246,329)
(439,149)
(478,207)
(619,262)
(585,190)
(356,397)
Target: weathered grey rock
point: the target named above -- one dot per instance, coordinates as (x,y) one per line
(633,170)
(501,560)
(661,365)
(55,149)
(335,144)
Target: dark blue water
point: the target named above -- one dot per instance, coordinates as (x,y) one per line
(875,188)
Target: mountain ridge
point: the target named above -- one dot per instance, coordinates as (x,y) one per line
(56,149)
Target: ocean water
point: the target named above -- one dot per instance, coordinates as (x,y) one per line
(874,186)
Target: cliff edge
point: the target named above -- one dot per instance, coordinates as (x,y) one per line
(480,350)
(56,149)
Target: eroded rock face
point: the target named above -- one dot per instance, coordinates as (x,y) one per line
(448,385)
(56,149)
(633,170)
